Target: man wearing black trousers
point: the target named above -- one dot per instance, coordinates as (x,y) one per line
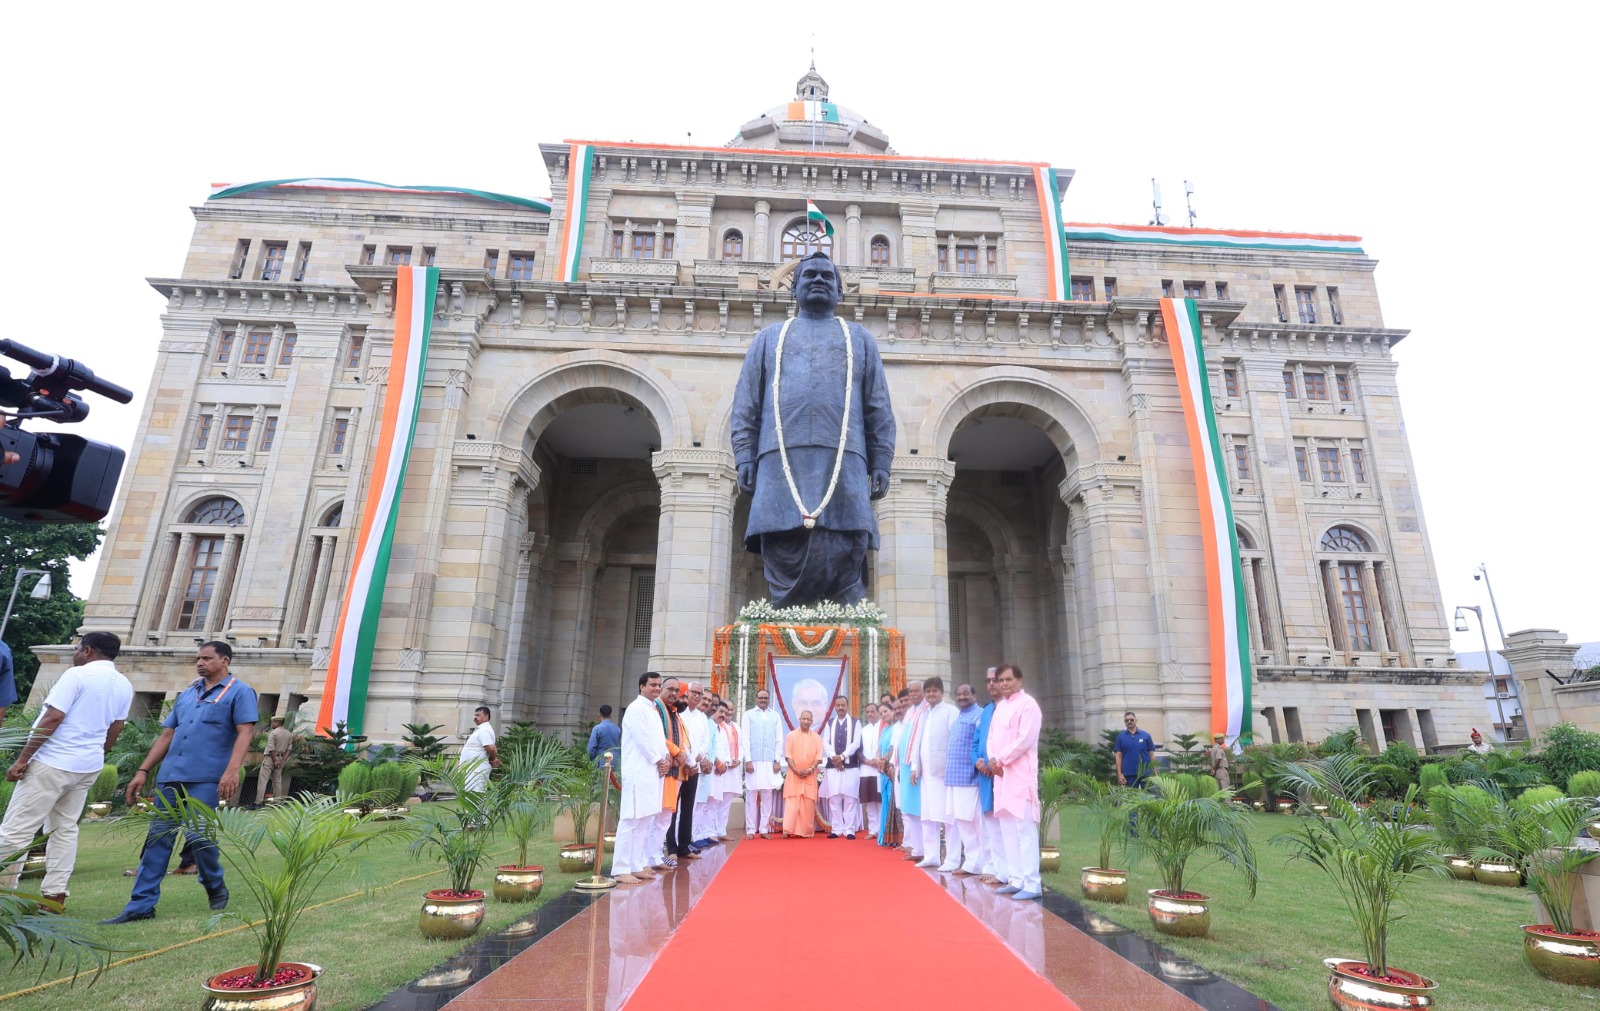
(680,835)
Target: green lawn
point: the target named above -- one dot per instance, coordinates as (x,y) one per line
(369,944)
(1460,933)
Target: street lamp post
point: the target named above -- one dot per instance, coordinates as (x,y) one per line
(40,590)
(1483,573)
(1488,657)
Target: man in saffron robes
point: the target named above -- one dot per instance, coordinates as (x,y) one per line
(802,750)
(841,781)
(1014,760)
(642,762)
(961,784)
(928,767)
(908,795)
(761,732)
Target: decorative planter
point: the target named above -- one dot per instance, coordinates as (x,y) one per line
(576,858)
(94,812)
(1496,872)
(1460,867)
(1180,917)
(447,916)
(1565,958)
(300,995)
(1285,806)
(1049,859)
(518,884)
(1349,990)
(33,866)
(1103,884)
(1593,828)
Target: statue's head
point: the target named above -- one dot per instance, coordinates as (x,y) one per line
(817,283)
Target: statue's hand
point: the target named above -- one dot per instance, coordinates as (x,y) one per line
(880,484)
(747,478)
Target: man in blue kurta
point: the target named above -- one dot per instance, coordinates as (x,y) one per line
(814,470)
(201,747)
(990,857)
(961,784)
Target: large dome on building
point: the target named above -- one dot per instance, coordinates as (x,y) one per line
(810,120)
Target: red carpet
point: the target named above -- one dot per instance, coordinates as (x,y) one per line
(832,923)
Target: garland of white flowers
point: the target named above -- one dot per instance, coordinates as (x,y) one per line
(872,664)
(799,648)
(862,613)
(808,517)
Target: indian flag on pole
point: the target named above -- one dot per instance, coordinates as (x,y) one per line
(580,171)
(344,694)
(1225,597)
(1055,241)
(817,219)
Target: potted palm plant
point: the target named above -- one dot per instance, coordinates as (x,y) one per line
(1054,783)
(580,798)
(1459,815)
(1105,809)
(283,855)
(1370,853)
(1173,821)
(533,773)
(458,833)
(1538,836)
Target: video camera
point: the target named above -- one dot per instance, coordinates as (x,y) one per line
(56,478)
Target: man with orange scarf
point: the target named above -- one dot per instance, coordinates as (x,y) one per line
(802,749)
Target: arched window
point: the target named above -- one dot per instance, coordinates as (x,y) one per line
(879,255)
(1260,594)
(1344,539)
(333,517)
(1246,542)
(305,619)
(217,512)
(733,245)
(1356,593)
(800,239)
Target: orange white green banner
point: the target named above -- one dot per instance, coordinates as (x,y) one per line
(1225,597)
(1058,288)
(344,694)
(580,172)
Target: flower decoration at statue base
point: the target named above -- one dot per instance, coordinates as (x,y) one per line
(876,654)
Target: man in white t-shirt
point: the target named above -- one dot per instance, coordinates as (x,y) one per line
(478,754)
(82,719)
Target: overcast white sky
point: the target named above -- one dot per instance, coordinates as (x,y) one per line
(1451,140)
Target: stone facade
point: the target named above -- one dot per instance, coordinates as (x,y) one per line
(571,514)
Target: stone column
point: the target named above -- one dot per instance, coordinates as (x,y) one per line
(151,615)
(913,569)
(852,234)
(1248,567)
(221,597)
(1266,580)
(1530,653)
(758,243)
(695,241)
(568,700)
(693,555)
(168,618)
(319,588)
(1069,653)
(1338,635)
(514,689)
(1369,588)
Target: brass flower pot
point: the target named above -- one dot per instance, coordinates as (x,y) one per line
(33,866)
(518,884)
(94,812)
(1285,807)
(576,858)
(1593,828)
(1349,990)
(300,995)
(447,916)
(1189,917)
(1049,859)
(1103,884)
(1460,867)
(1497,872)
(1565,958)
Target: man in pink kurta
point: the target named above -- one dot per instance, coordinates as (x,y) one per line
(1013,761)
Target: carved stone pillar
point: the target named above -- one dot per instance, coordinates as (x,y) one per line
(328,545)
(514,691)
(226,570)
(1248,566)
(759,245)
(1330,588)
(1369,589)
(693,556)
(913,570)
(852,234)
(1267,583)
(168,618)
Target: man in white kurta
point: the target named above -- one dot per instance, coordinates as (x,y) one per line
(762,735)
(841,777)
(928,766)
(705,798)
(730,781)
(642,761)
(871,810)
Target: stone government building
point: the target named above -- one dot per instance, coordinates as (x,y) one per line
(571,516)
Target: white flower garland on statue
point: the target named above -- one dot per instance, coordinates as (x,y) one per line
(807,516)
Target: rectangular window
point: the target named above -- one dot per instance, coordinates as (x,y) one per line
(491,261)
(944,259)
(269,431)
(733,249)
(616,245)
(1230,382)
(644,245)
(1333,305)
(1083,289)
(966,259)
(1283,303)
(428,253)
(225,345)
(1316,386)
(1305,302)
(236,436)
(341,428)
(957,594)
(644,605)
(1166,289)
(241,255)
(669,242)
(202,432)
(521,266)
(1109,286)
(398,256)
(1354,598)
(302,260)
(1222,289)
(1241,459)
(272,257)
(353,359)
(1342,381)
(369,255)
(1328,464)
(1194,289)
(1300,464)
(255,347)
(992,260)
(1358,466)
(201,584)
(1288,383)
(286,355)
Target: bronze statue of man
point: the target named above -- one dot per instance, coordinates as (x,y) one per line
(813,437)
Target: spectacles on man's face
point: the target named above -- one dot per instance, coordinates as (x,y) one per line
(1130,720)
